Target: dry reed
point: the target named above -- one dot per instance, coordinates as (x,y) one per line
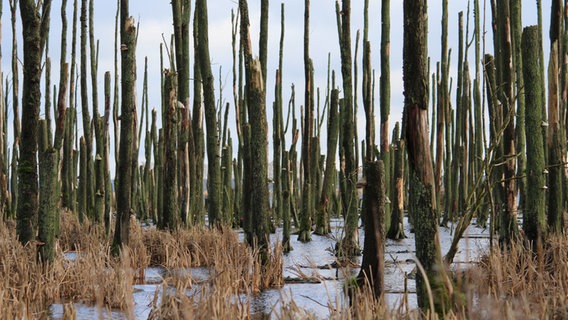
(515,284)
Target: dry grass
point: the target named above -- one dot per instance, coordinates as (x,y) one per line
(94,276)
(516,284)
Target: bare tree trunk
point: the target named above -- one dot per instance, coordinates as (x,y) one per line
(213,156)
(181,11)
(534,218)
(34,18)
(258,140)
(307,159)
(373,264)
(349,245)
(555,190)
(396,229)
(170,209)
(127,127)
(422,199)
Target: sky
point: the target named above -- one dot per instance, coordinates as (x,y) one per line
(155,25)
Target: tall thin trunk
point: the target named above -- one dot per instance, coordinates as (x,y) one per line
(181,11)
(278,132)
(349,244)
(520,141)
(3,162)
(127,127)
(385,100)
(508,229)
(15,108)
(555,185)
(87,133)
(213,153)
(196,188)
(307,160)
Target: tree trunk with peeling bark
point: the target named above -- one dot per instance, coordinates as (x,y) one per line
(422,199)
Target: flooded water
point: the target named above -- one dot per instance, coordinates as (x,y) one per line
(308,260)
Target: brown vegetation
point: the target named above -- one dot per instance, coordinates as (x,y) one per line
(514,284)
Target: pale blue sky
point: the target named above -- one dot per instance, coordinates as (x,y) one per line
(155,21)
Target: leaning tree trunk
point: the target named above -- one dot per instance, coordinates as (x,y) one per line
(35,26)
(422,198)
(127,126)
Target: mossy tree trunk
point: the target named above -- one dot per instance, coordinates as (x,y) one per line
(49,177)
(385,100)
(520,141)
(534,219)
(127,127)
(196,187)
(422,199)
(349,245)
(213,154)
(68,174)
(508,230)
(87,133)
(96,167)
(256,104)
(330,175)
(35,26)
(555,186)
(181,11)
(307,155)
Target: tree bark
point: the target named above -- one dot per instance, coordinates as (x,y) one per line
(422,200)
(32,22)
(396,229)
(171,209)
(555,161)
(534,218)
(349,245)
(256,104)
(213,154)
(373,264)
(127,127)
